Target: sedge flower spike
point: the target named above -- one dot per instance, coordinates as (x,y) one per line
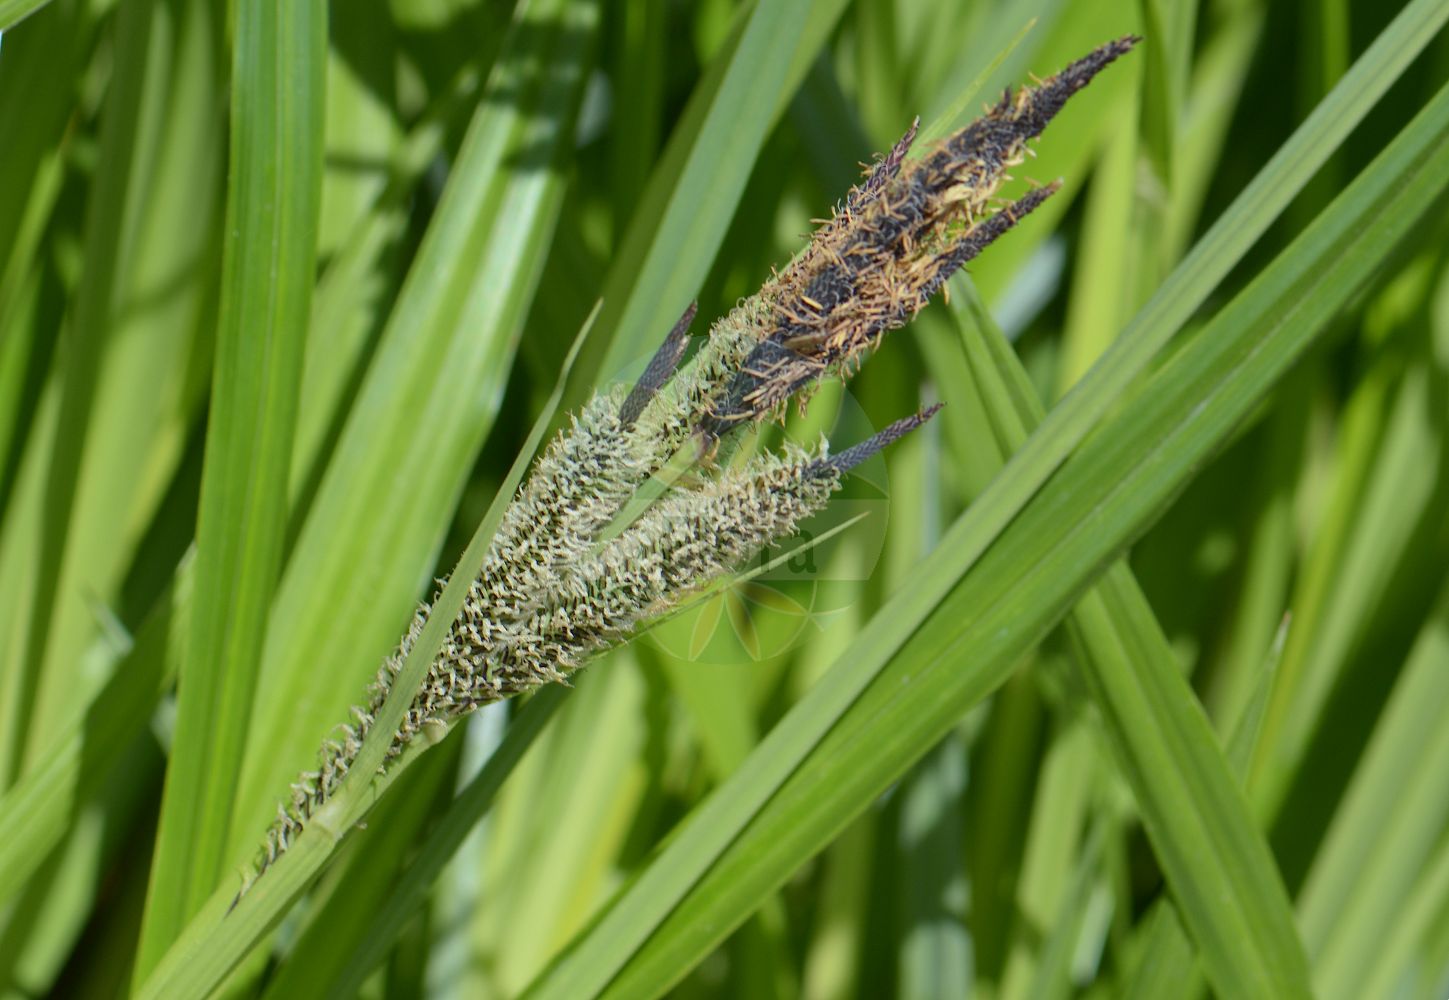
(564,579)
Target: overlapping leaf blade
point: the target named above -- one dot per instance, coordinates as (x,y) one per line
(269,257)
(432,391)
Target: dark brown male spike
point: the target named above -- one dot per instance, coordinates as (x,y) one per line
(659,369)
(1053,95)
(781,379)
(893,242)
(858,453)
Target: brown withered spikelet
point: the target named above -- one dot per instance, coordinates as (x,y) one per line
(562,581)
(892,243)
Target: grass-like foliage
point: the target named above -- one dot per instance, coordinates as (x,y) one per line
(737,674)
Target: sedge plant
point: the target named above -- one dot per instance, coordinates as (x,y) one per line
(558,587)
(1131,689)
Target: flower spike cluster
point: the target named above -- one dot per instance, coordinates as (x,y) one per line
(893,243)
(569,573)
